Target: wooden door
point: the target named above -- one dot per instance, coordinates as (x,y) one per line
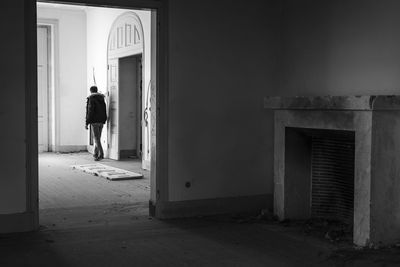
(113,109)
(42,69)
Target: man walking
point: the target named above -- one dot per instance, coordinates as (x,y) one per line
(96,116)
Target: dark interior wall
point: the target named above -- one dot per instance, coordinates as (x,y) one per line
(12,109)
(340,47)
(222,62)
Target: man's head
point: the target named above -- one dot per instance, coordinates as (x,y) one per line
(93,89)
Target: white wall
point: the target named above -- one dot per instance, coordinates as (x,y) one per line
(99,22)
(82,40)
(72,85)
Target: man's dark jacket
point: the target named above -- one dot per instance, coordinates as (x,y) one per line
(96,109)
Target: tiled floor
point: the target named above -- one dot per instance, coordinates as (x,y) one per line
(62,187)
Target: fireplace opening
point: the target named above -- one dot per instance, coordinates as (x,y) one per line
(319,175)
(332,175)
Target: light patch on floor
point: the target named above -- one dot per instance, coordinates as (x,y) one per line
(108,172)
(60,186)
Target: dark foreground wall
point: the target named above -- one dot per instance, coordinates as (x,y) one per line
(12,109)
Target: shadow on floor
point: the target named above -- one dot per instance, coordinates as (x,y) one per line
(208,241)
(122,234)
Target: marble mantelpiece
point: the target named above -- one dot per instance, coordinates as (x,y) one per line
(375,121)
(367,103)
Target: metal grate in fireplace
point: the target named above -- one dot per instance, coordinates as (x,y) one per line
(332,164)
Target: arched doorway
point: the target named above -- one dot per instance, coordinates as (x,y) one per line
(128,128)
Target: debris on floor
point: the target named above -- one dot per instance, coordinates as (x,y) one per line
(332,230)
(324,229)
(108,172)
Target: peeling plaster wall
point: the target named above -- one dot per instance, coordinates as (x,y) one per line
(222,62)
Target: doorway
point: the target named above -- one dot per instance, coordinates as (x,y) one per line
(130,91)
(47,104)
(130,111)
(128,66)
(43,87)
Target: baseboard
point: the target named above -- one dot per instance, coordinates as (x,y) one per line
(69,149)
(192,208)
(152,209)
(123,154)
(17,222)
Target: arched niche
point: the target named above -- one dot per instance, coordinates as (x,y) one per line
(126,36)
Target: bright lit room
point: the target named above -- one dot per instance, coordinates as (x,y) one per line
(80,47)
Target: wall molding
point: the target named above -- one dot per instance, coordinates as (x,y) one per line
(54,80)
(192,208)
(69,149)
(17,222)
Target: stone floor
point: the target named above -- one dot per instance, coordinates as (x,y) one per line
(71,198)
(60,186)
(131,240)
(124,236)
(114,230)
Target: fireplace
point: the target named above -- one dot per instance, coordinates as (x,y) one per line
(339,157)
(320,171)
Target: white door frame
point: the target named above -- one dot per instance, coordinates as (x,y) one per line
(159,163)
(53,96)
(116,54)
(43,88)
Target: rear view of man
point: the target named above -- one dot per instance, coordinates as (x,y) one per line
(96,116)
